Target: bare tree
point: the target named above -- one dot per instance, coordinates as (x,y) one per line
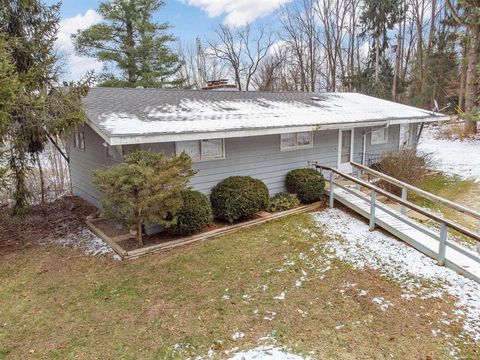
(199,66)
(243,50)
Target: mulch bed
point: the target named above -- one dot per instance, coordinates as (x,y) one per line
(160,238)
(56,219)
(127,247)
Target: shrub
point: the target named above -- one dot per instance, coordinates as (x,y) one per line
(195,213)
(406,165)
(145,188)
(238,197)
(308,184)
(283,201)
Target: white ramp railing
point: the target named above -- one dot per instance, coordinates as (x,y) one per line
(445,224)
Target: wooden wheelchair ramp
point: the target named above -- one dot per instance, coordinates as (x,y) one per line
(361,197)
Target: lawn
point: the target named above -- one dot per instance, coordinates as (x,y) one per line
(465,192)
(273,283)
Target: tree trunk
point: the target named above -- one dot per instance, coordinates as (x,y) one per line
(42,181)
(238,81)
(377,59)
(139,233)
(397,66)
(472,78)
(132,67)
(463,78)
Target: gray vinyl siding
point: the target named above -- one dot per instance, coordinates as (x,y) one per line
(259,157)
(256,156)
(82,163)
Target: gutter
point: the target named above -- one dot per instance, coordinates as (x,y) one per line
(130,139)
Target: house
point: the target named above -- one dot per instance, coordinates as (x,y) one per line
(260,134)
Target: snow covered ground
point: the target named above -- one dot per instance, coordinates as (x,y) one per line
(266,352)
(452,156)
(354,243)
(85,241)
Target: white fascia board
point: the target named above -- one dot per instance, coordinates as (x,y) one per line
(98,131)
(154,138)
(381,123)
(171,137)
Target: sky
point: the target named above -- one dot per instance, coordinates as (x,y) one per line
(190,19)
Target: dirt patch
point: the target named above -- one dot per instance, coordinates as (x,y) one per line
(54,220)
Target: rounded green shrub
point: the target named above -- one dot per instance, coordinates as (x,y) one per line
(283,201)
(308,184)
(238,197)
(195,213)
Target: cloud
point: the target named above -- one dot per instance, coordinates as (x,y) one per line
(76,65)
(238,12)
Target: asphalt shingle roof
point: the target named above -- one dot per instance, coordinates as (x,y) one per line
(121,112)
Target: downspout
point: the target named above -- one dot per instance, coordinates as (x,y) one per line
(364,155)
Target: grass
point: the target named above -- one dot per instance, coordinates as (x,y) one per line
(446,186)
(56,303)
(452,188)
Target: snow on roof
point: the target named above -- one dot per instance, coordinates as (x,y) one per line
(140,112)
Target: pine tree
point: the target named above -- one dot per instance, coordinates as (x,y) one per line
(377,19)
(133,42)
(36,111)
(146,188)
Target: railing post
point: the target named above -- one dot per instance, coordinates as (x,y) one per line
(373,205)
(443,244)
(478,232)
(332,178)
(403,210)
(357,185)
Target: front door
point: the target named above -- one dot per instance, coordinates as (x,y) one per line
(345,150)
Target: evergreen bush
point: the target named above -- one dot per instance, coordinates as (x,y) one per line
(239,197)
(308,184)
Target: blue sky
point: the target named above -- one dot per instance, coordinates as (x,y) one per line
(189,18)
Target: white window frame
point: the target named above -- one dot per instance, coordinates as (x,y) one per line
(296,146)
(79,140)
(379,142)
(202,157)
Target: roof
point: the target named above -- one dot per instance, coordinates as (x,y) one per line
(123,116)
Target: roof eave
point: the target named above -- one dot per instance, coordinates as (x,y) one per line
(171,137)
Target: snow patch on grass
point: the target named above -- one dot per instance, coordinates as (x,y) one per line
(280,297)
(452,156)
(238,335)
(267,352)
(85,241)
(354,243)
(382,303)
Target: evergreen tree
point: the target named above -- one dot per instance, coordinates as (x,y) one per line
(31,109)
(442,72)
(364,81)
(377,19)
(133,42)
(146,188)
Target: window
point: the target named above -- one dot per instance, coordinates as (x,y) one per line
(379,136)
(79,140)
(114,152)
(295,141)
(201,150)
